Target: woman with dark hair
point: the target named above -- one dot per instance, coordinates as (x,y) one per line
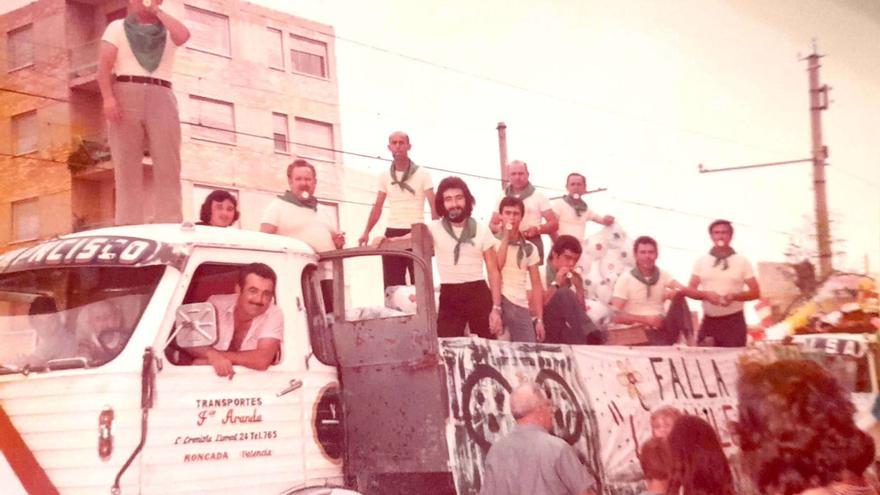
(795,427)
(699,466)
(220,209)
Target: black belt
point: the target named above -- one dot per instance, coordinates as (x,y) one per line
(144,80)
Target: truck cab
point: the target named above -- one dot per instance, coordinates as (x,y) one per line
(97,390)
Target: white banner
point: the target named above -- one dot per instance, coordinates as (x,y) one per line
(604,397)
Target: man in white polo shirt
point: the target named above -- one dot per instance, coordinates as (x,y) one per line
(537,207)
(518,259)
(295,214)
(572,210)
(250,327)
(407,186)
(725,280)
(134,76)
(462,248)
(639,296)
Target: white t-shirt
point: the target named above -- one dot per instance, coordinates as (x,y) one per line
(269,325)
(723,282)
(536,205)
(569,221)
(634,293)
(126,64)
(314,228)
(515,280)
(406,208)
(470,261)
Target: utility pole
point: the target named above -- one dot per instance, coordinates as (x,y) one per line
(502,150)
(818,103)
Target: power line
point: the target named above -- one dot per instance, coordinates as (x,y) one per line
(289,142)
(35,95)
(49,160)
(361,203)
(694,214)
(375,157)
(29,157)
(857,178)
(525,89)
(546,94)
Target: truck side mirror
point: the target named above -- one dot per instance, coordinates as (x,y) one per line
(196,325)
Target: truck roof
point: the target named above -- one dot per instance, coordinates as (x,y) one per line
(139,245)
(187,233)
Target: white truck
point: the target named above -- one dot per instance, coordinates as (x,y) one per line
(132,414)
(377,405)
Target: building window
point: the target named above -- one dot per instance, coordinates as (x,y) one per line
(279,133)
(24,133)
(308,56)
(314,140)
(20,47)
(25,220)
(210,31)
(275,44)
(215,119)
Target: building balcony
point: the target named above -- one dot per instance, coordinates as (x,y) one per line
(84,66)
(91,159)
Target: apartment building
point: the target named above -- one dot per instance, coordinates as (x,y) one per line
(256,88)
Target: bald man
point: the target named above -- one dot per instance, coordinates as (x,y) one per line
(407,186)
(538,208)
(530,460)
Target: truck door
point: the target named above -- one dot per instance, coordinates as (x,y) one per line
(231,435)
(393,386)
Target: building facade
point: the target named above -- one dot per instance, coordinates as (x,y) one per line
(256,88)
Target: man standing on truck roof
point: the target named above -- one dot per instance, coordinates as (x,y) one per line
(462,247)
(639,295)
(529,460)
(719,278)
(250,327)
(565,316)
(407,186)
(572,210)
(295,214)
(518,259)
(537,207)
(134,76)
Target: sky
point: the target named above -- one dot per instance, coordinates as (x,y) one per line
(633,94)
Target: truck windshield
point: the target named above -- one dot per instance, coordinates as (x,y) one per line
(79,317)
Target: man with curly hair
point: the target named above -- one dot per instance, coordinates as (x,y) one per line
(795,427)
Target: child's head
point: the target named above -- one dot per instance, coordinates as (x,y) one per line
(656,460)
(662,420)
